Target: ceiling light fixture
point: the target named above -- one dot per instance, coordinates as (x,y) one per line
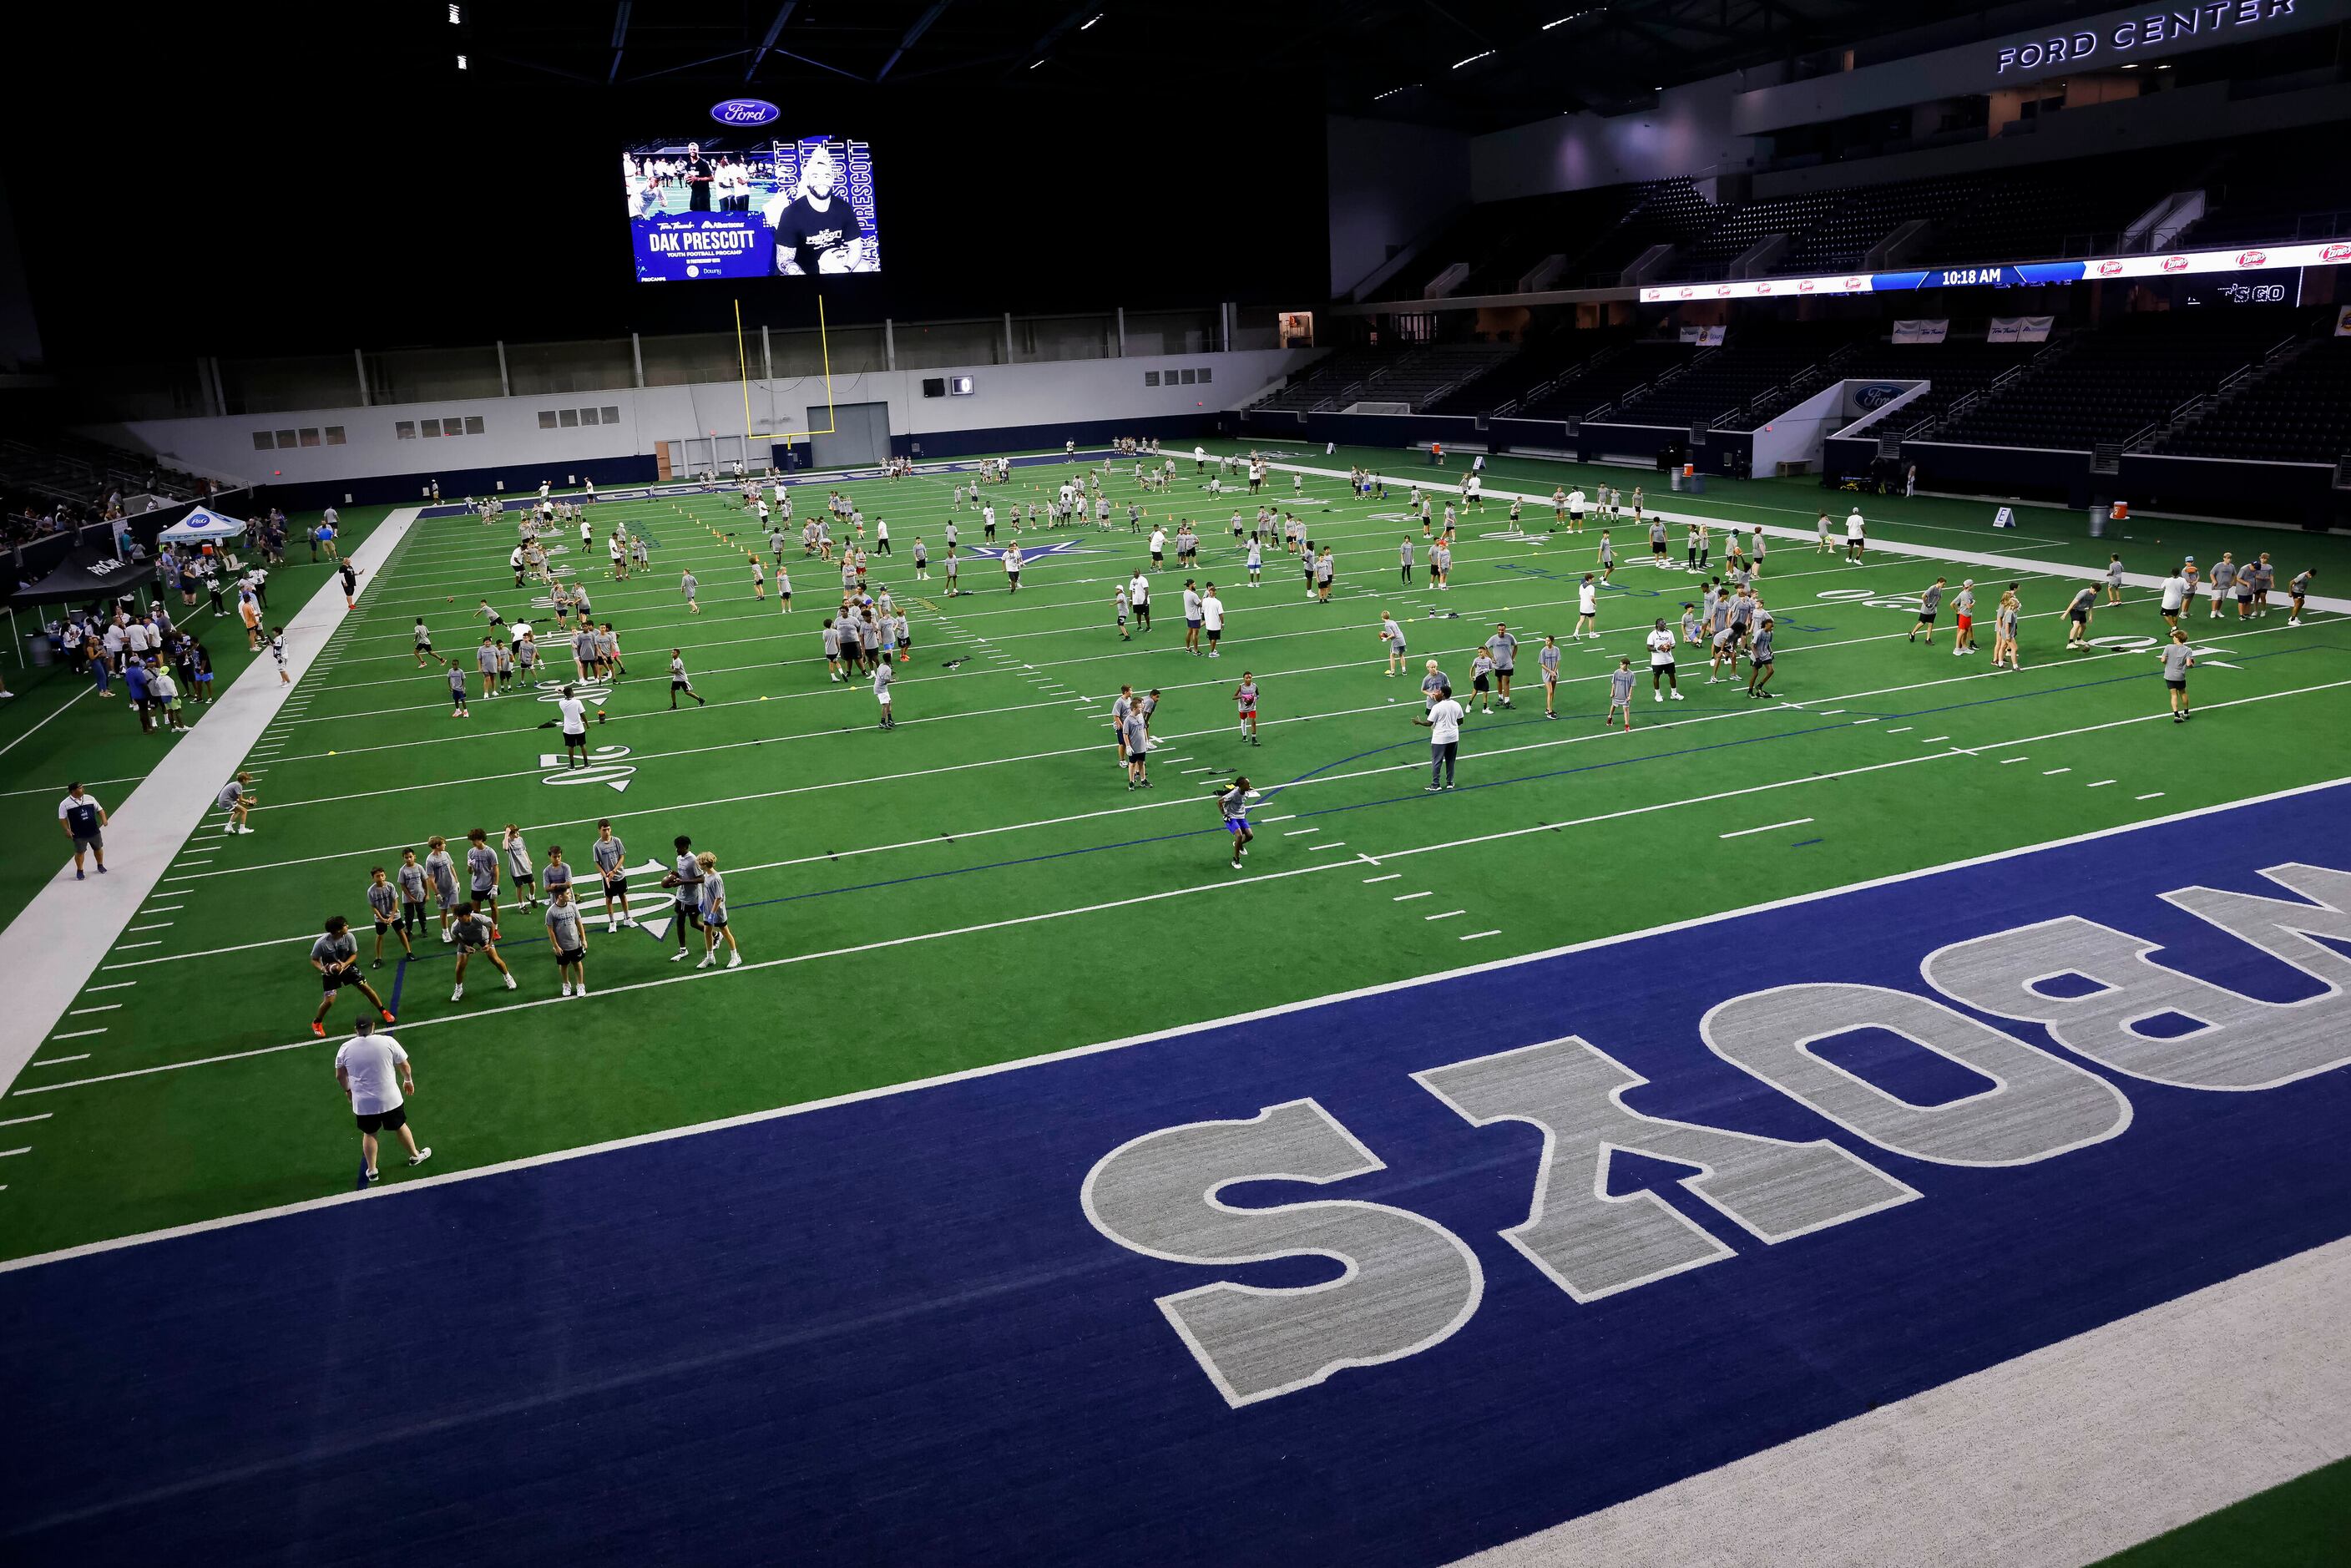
(1394,90)
(1472,60)
(1098,16)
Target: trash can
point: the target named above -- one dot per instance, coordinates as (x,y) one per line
(1697,483)
(2099,521)
(41,650)
(1677,476)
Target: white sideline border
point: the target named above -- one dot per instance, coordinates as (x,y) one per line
(2062,1456)
(52,948)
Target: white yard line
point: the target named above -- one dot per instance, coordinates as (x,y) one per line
(38,726)
(1768,827)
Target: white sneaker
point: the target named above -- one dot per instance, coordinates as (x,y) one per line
(458,995)
(581,989)
(1660,696)
(567,987)
(708,960)
(421,1156)
(1677,695)
(2294,621)
(733,960)
(673,957)
(510,982)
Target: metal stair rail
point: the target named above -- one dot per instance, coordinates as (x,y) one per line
(1794,389)
(1582,367)
(1654,384)
(2055,350)
(2274,358)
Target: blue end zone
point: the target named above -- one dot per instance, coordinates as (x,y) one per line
(886,1330)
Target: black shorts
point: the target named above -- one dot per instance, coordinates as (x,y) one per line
(680,687)
(2078,617)
(1478,685)
(1214,634)
(2177,685)
(1137,756)
(390,1121)
(616,887)
(383,925)
(1926,618)
(523,879)
(334,980)
(570,954)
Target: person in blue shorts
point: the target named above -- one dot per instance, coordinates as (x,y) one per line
(1233,804)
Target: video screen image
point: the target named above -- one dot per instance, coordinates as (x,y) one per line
(722,207)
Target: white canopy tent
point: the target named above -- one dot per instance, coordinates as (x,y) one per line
(201,524)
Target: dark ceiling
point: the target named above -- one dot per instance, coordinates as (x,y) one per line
(1477,65)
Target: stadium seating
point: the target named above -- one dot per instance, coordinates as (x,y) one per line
(2111,384)
(1545,358)
(2299,411)
(71,467)
(1419,374)
(1669,211)
(1754,360)
(1328,377)
(2258,197)
(1610,379)
(1953,370)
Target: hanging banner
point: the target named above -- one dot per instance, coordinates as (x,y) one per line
(1922,331)
(2020,329)
(1704,337)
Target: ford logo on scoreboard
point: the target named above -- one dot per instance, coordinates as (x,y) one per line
(746,112)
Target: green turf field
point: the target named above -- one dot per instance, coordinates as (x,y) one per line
(980,886)
(58,729)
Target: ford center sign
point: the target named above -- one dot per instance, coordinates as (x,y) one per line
(2212,22)
(746,112)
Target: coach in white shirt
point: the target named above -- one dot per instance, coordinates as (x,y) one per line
(367,1067)
(1443,721)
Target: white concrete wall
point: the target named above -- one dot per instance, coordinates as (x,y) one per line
(1689,133)
(1005,396)
(1796,437)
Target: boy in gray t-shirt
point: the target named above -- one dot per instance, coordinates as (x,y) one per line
(336,957)
(569,938)
(2177,660)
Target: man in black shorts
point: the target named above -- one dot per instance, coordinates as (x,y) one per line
(335,956)
(366,1068)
